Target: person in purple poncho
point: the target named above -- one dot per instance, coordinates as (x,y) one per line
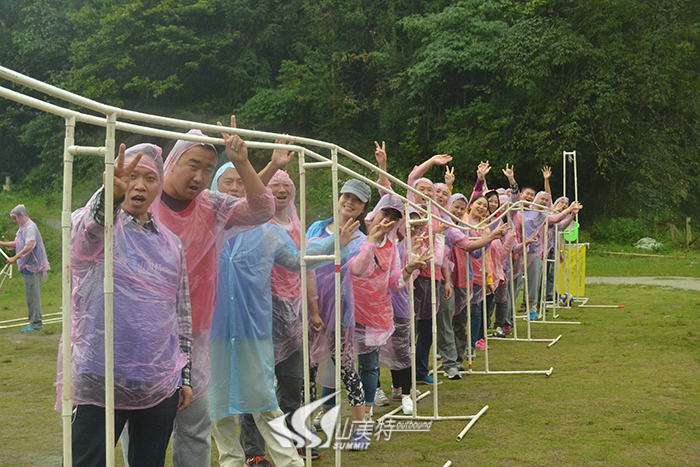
(32,263)
(152,319)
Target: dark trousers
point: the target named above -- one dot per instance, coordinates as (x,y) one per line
(424,342)
(149,433)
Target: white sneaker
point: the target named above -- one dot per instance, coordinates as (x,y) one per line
(396,394)
(407,405)
(380,398)
(452,373)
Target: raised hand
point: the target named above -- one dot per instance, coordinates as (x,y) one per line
(449,176)
(441,228)
(508,172)
(281,157)
(441,159)
(122,175)
(380,155)
(379,231)
(236,150)
(483,169)
(532,239)
(546,172)
(346,231)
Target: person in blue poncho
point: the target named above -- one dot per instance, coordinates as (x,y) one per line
(241,352)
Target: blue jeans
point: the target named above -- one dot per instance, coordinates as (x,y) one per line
(368,365)
(476,318)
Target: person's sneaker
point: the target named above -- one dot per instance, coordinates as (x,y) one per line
(30,329)
(452,373)
(427,379)
(257,461)
(480,345)
(319,415)
(473,353)
(499,332)
(460,367)
(439,357)
(380,398)
(359,441)
(407,405)
(507,330)
(396,394)
(315,453)
(533,315)
(368,415)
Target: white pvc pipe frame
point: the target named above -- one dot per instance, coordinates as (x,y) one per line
(111,123)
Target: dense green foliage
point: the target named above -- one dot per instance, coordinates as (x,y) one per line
(505,80)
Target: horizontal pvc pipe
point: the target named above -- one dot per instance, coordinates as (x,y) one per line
(47,321)
(471,423)
(320,258)
(25,318)
(88,150)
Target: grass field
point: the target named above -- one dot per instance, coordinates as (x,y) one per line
(624,391)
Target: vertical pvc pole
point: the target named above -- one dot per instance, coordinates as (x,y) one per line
(555,265)
(545,262)
(304,302)
(66,283)
(433,305)
(512,294)
(578,258)
(109,288)
(484,313)
(412,314)
(338,310)
(525,282)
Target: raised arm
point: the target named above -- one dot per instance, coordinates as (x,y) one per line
(280,158)
(420,170)
(546,174)
(509,172)
(258,206)
(380,155)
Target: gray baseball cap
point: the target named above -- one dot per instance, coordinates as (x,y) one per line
(357,188)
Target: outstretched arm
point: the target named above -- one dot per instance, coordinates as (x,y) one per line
(420,170)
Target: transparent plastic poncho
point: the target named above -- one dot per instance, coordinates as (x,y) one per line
(151,313)
(377,271)
(203,228)
(36,260)
(242,349)
(535,225)
(323,343)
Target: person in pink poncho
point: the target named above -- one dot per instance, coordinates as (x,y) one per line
(152,319)
(201,218)
(377,270)
(32,263)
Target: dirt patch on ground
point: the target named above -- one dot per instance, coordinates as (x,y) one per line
(687,283)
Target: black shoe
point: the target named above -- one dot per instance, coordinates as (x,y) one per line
(315,453)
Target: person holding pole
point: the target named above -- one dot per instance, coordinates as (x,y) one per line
(152,319)
(201,218)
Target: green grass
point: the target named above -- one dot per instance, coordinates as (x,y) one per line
(624,391)
(674,262)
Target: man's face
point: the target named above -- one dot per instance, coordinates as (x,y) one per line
(231,183)
(528,194)
(442,196)
(192,173)
(14,219)
(142,190)
(283,195)
(425,188)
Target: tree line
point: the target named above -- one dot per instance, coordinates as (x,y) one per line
(509,81)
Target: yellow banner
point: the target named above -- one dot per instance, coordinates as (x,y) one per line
(573,267)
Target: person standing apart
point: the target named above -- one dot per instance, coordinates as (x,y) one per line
(32,263)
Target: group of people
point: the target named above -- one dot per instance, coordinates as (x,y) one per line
(207,298)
